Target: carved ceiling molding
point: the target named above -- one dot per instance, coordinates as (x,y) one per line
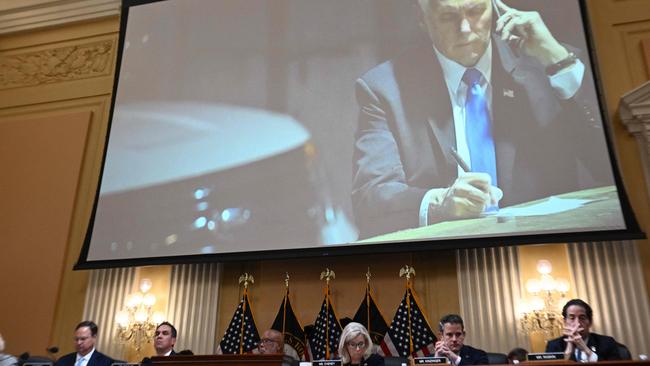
(634,110)
(22,15)
(87,59)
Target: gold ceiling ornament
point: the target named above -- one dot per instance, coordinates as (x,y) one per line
(286,279)
(246,279)
(328,275)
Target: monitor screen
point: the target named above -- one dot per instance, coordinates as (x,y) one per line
(242,129)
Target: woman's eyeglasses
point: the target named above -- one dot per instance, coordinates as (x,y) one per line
(360,345)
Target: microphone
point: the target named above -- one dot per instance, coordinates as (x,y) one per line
(24,357)
(53,349)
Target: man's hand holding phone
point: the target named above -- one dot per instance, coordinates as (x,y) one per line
(526,31)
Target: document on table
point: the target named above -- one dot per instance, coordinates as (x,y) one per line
(552,205)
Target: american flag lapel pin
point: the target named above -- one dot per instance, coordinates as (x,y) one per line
(508,93)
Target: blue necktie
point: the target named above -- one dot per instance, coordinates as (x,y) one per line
(478,127)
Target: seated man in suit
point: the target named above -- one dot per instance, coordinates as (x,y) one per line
(457,124)
(85,337)
(272,342)
(451,343)
(578,343)
(165,339)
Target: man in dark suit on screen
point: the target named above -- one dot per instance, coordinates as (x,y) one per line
(452,346)
(85,337)
(512,120)
(578,343)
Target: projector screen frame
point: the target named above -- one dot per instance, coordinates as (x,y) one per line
(632,232)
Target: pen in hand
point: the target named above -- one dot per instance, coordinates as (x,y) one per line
(459,160)
(465,167)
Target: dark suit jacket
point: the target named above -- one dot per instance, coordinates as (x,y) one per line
(406,132)
(373,360)
(604,346)
(97,359)
(472,356)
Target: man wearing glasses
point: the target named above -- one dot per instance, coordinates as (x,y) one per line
(85,337)
(273,342)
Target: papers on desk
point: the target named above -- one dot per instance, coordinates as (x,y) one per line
(549,206)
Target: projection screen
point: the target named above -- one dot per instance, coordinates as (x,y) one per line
(313,127)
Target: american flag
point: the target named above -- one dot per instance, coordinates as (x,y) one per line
(287,323)
(241,335)
(410,332)
(327,331)
(371,317)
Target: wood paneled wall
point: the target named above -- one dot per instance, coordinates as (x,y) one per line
(55,88)
(619,29)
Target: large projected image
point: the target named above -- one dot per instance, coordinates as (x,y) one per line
(251,126)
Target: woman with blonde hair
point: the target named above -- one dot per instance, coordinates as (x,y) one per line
(356,348)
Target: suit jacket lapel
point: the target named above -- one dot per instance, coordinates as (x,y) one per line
(91,360)
(423,89)
(439,111)
(506,105)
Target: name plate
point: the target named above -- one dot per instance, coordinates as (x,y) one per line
(326,363)
(431,360)
(548,356)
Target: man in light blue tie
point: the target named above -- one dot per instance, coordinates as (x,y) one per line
(85,337)
(458,125)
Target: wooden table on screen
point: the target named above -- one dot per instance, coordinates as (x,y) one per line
(221,360)
(602,213)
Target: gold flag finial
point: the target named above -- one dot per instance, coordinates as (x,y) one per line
(286,279)
(368,275)
(328,275)
(246,279)
(407,271)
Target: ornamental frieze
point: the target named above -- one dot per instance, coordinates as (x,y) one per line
(56,65)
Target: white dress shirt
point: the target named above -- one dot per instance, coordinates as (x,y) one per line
(565,83)
(86,358)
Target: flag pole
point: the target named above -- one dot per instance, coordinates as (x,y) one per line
(368,275)
(245,278)
(284,303)
(408,271)
(327,274)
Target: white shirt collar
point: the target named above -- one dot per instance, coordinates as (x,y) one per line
(87,356)
(453,71)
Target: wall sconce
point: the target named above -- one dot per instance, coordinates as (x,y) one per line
(541,314)
(136,322)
